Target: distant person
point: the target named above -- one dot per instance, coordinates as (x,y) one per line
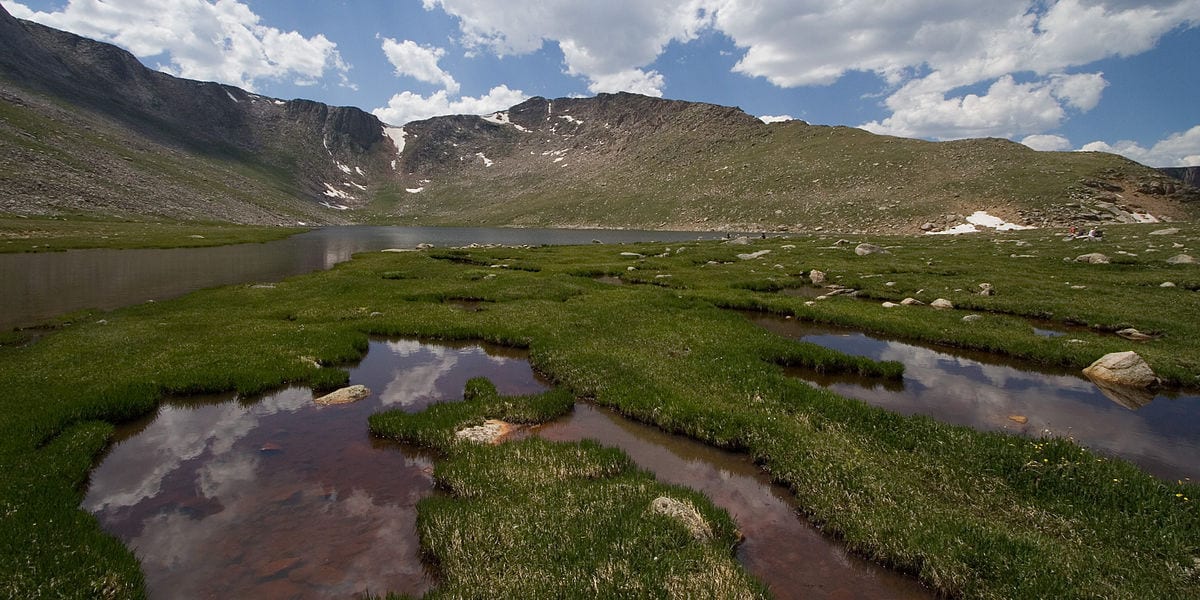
(1073,231)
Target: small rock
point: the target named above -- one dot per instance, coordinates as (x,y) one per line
(927,227)
(196,237)
(1135,335)
(971,318)
(890,284)
(942,303)
(685,513)
(376,314)
(492,431)
(424,246)
(866,249)
(1122,368)
(754,255)
(1094,258)
(398,250)
(1020,419)
(810,303)
(817,277)
(1168,231)
(986,289)
(263,286)
(911,302)
(1167,284)
(345,395)
(890,305)
(739,241)
(270,448)
(632,255)
(1181,259)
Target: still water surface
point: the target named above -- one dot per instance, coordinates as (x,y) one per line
(38,287)
(278,497)
(989,392)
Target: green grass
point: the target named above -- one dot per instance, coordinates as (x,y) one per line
(48,235)
(972,514)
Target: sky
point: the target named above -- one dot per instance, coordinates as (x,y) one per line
(1114,75)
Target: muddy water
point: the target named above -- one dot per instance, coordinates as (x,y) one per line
(278,498)
(1161,433)
(782,550)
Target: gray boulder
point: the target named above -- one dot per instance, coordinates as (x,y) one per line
(492,431)
(1181,259)
(866,249)
(1094,258)
(817,277)
(942,303)
(1123,369)
(345,395)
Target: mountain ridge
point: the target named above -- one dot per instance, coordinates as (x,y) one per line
(91,131)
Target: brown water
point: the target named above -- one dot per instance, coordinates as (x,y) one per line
(782,550)
(35,287)
(277,497)
(988,392)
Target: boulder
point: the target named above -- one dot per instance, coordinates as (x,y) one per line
(971,318)
(739,241)
(683,512)
(492,431)
(1181,259)
(911,302)
(1122,369)
(1167,284)
(817,277)
(1135,335)
(345,395)
(890,305)
(1094,258)
(942,303)
(866,249)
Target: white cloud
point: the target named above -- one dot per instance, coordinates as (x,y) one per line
(419,62)
(1176,150)
(219,41)
(632,80)
(1047,142)
(609,43)
(407,106)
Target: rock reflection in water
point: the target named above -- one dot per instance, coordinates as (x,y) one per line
(781,549)
(986,391)
(278,497)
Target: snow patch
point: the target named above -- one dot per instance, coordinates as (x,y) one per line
(359,171)
(501,118)
(982,219)
(333,192)
(352,184)
(486,161)
(344,168)
(768,119)
(397,134)
(325,142)
(334,206)
(280,102)
(393,165)
(559,159)
(230,95)
(415,190)
(571,119)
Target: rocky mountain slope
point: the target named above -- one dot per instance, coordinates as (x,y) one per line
(86,129)
(1188,175)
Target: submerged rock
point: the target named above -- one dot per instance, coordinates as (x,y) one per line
(345,395)
(1123,369)
(685,513)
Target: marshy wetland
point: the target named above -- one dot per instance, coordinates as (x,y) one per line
(964,510)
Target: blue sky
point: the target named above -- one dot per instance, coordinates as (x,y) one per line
(1114,75)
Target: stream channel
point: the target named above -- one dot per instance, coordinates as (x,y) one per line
(990,392)
(276,497)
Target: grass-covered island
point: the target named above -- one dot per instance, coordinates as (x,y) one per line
(980,515)
(18,234)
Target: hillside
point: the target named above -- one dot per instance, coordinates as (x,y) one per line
(87,130)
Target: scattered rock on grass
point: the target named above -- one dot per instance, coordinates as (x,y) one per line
(890,305)
(739,241)
(754,255)
(866,249)
(911,302)
(345,395)
(1135,335)
(632,255)
(492,431)
(1168,231)
(1094,258)
(1167,284)
(1181,259)
(986,289)
(942,303)
(971,318)
(685,513)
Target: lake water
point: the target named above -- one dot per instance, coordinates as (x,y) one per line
(37,287)
(989,392)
